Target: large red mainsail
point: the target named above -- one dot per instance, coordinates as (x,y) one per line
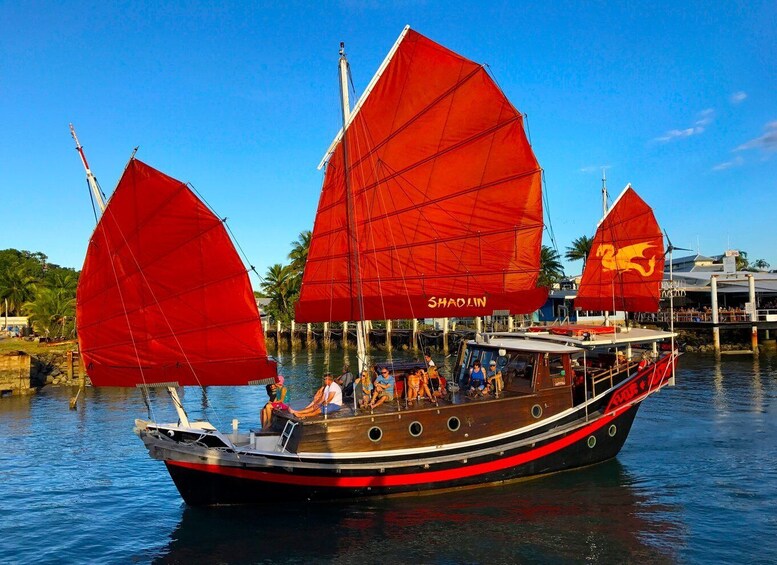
(445,199)
(625,267)
(163,297)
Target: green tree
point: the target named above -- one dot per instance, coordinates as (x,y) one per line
(281,285)
(579,249)
(299,251)
(761,265)
(52,312)
(551,270)
(743,264)
(17,286)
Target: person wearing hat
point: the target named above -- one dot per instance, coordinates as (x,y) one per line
(277,393)
(494,379)
(328,399)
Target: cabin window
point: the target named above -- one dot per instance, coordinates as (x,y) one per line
(415,429)
(518,372)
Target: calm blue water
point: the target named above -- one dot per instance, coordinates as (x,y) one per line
(695,483)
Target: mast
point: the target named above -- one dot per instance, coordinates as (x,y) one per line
(353,243)
(604,213)
(182,416)
(604,192)
(90,178)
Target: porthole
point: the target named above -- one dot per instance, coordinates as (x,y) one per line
(612,431)
(415,429)
(591,441)
(375,434)
(536,410)
(454,423)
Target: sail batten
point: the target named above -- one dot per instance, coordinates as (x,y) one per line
(163,296)
(625,266)
(443,207)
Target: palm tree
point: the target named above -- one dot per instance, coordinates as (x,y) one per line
(52,312)
(62,280)
(761,264)
(281,286)
(551,270)
(579,249)
(18,287)
(743,264)
(299,251)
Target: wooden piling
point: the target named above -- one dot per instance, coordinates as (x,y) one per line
(753,314)
(388,335)
(445,335)
(715,320)
(415,334)
(345,335)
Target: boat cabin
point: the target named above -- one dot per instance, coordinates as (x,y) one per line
(526,367)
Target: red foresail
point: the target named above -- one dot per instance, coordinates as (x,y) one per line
(625,266)
(163,296)
(444,194)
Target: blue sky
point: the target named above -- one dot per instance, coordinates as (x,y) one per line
(240,99)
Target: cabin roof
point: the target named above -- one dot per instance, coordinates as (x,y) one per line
(524,345)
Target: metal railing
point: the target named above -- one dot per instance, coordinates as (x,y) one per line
(725,316)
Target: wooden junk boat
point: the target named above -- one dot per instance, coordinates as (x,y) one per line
(431,207)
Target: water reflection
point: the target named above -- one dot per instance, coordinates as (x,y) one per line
(758,390)
(717,381)
(597,514)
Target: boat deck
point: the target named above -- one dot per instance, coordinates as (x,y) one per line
(399,405)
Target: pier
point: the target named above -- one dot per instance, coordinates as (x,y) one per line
(443,336)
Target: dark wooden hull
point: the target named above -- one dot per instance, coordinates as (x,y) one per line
(203,484)
(209,473)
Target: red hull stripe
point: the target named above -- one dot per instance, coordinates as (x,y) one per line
(404,479)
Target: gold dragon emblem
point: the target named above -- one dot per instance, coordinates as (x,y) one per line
(624,259)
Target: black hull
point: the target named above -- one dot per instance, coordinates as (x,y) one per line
(201,484)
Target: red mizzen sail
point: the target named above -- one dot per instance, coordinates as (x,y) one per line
(445,198)
(163,297)
(625,267)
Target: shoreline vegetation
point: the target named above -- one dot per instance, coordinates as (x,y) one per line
(46,293)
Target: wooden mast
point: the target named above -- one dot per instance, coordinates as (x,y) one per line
(353,242)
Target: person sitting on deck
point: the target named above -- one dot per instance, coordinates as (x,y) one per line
(363,389)
(327,400)
(435,384)
(384,388)
(413,385)
(477,379)
(345,380)
(494,379)
(644,362)
(277,393)
(429,361)
(424,391)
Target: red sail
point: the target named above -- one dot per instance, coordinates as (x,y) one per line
(625,267)
(445,200)
(163,297)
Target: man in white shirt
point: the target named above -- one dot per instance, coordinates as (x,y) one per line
(328,399)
